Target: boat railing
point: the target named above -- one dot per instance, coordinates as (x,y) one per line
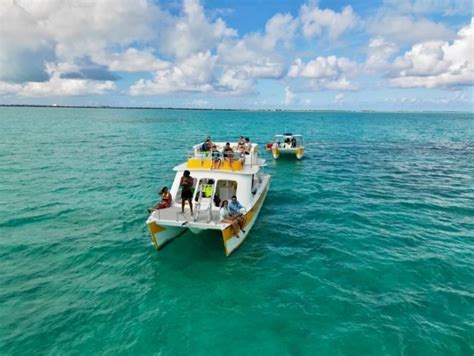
(208,210)
(203,159)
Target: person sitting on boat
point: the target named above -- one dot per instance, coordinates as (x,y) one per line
(242,155)
(206,146)
(226,217)
(241,143)
(248,146)
(229,154)
(165,200)
(276,144)
(186,184)
(235,206)
(216,158)
(237,210)
(293,142)
(287,143)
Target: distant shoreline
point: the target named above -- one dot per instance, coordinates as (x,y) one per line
(217,109)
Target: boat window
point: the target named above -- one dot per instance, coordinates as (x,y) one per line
(225,189)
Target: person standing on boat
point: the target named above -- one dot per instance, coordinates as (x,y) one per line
(186,184)
(165,200)
(242,155)
(248,146)
(236,210)
(241,143)
(293,142)
(226,217)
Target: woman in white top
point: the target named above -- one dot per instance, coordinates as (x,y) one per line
(226,217)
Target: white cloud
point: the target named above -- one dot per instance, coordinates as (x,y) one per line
(255,53)
(233,70)
(83,28)
(281,27)
(192,32)
(199,103)
(250,56)
(34,33)
(194,74)
(57,86)
(326,72)
(339,98)
(316,21)
(132,60)
(445,7)
(437,63)
(9,88)
(404,29)
(235,81)
(379,52)
(449,100)
(289,96)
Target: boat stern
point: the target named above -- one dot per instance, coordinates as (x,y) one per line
(161,234)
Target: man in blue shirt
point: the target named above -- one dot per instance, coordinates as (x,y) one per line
(235,209)
(235,206)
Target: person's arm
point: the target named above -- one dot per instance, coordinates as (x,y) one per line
(222,214)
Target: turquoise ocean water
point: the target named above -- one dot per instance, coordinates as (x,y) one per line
(364,247)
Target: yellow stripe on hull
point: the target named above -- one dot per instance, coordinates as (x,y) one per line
(160,235)
(299,153)
(230,241)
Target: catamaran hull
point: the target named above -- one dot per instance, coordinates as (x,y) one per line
(231,242)
(161,235)
(298,152)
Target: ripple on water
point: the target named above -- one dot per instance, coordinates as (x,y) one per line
(363,247)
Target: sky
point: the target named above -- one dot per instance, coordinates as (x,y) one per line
(403,55)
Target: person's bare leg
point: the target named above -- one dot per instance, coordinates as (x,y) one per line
(241,220)
(191,205)
(235,226)
(182,206)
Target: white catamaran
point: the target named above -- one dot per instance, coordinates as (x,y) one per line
(287,144)
(241,176)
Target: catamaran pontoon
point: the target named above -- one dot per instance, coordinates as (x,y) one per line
(244,178)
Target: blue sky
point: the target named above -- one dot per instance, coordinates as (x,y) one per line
(260,54)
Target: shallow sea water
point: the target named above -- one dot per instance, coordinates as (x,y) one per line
(366,246)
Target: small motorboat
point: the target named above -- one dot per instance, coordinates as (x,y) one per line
(287,144)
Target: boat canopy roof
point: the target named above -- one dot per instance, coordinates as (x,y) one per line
(288,135)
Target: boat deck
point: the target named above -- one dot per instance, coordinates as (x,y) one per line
(173,216)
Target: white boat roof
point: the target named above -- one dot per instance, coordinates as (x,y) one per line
(288,135)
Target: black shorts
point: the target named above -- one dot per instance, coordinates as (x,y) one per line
(187,194)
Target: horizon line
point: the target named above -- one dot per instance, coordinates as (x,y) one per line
(226,109)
